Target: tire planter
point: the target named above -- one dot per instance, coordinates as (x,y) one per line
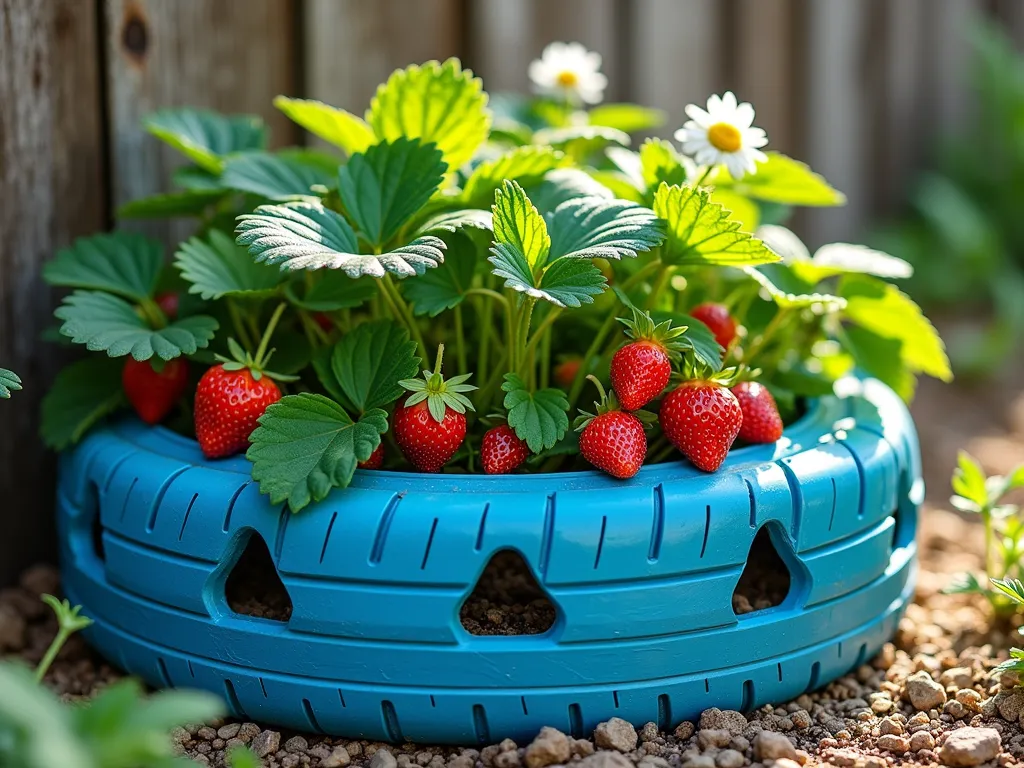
(641,573)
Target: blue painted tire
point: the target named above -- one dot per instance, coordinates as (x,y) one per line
(641,573)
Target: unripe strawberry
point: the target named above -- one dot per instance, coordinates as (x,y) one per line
(502,451)
(430,425)
(702,419)
(154,394)
(717,318)
(761,420)
(641,369)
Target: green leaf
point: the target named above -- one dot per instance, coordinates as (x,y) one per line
(333,291)
(880,357)
(445,287)
(82,394)
(519,226)
(383,187)
(701,232)
(439,103)
(884,310)
(526,165)
(369,362)
(565,283)
(593,228)
(844,258)
(105,323)
(190,202)
(1012,588)
(969,479)
(9,382)
(124,263)
(540,419)
(965,584)
(698,338)
(452,221)
(204,136)
(792,292)
(309,236)
(566,184)
(628,118)
(739,208)
(581,140)
(660,163)
(333,125)
(784,180)
(276,177)
(192,177)
(216,267)
(307,444)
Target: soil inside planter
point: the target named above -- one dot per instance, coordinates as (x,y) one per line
(253,587)
(507,600)
(765,580)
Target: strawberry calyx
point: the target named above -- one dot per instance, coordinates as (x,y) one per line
(439,393)
(692,370)
(241,359)
(642,328)
(607,402)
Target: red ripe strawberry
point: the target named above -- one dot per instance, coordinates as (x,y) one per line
(612,440)
(761,420)
(565,372)
(430,425)
(717,318)
(168,303)
(232,396)
(323,320)
(502,451)
(229,401)
(701,419)
(154,394)
(641,369)
(375,460)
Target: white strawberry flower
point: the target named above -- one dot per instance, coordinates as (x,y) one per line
(723,134)
(569,71)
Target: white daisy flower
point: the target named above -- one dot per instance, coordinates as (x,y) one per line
(569,71)
(723,135)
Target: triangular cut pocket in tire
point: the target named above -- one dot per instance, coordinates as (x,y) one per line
(253,588)
(766,580)
(507,600)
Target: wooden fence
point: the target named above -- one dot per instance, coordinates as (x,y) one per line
(858,88)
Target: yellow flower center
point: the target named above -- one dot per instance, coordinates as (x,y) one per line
(568,79)
(725,137)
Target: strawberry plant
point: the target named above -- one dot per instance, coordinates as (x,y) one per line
(509,248)
(9,382)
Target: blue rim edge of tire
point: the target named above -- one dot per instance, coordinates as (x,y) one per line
(641,573)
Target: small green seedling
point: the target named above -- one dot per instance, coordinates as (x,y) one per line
(1013,589)
(69,621)
(1004,531)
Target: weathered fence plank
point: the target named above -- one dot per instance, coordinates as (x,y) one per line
(52,189)
(232,56)
(351,46)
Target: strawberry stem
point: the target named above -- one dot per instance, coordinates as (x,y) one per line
(440,357)
(261,352)
(600,387)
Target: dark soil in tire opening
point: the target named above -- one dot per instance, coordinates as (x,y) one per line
(507,600)
(253,587)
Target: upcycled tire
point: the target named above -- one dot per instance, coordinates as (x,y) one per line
(641,573)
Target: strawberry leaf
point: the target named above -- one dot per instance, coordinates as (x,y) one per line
(333,291)
(275,177)
(789,289)
(369,362)
(309,236)
(845,258)
(124,263)
(105,323)
(453,221)
(628,118)
(519,226)
(526,165)
(9,382)
(383,187)
(216,267)
(882,309)
(581,140)
(445,287)
(698,338)
(880,357)
(307,444)
(439,103)
(593,228)
(701,232)
(784,180)
(335,126)
(660,163)
(566,184)
(189,202)
(565,283)
(540,419)
(82,394)
(206,137)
